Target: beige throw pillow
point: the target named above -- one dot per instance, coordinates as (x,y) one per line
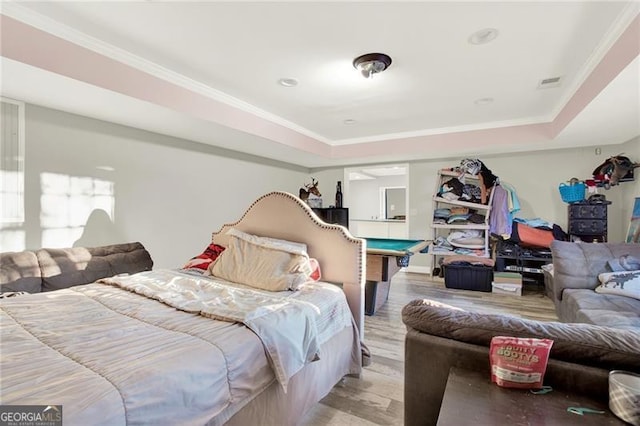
(264,263)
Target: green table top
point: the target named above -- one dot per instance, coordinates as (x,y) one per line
(392,246)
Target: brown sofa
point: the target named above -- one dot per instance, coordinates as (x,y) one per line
(53,269)
(440,337)
(598,333)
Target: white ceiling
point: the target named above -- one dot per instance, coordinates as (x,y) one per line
(208,71)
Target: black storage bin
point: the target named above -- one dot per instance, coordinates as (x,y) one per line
(468,277)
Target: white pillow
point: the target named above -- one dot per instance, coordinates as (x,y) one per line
(264,263)
(623,283)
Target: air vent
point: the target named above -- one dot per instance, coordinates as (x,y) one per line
(549,82)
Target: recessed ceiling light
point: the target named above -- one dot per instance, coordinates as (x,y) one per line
(288,82)
(483,36)
(349,121)
(483,101)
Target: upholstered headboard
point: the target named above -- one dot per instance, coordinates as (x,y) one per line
(341,256)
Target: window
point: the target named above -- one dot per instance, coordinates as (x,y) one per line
(66,204)
(12,161)
(12,140)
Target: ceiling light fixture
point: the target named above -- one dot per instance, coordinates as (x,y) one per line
(483,36)
(349,121)
(371,63)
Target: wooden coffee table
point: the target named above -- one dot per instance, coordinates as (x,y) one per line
(470,398)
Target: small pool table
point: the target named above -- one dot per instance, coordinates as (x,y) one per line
(385,257)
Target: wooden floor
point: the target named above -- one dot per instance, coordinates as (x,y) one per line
(376,398)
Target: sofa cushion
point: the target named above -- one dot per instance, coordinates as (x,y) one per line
(577,265)
(19,271)
(67,267)
(586,344)
(610,318)
(622,283)
(608,310)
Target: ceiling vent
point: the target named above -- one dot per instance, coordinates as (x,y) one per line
(548,83)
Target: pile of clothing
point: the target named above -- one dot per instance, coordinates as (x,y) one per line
(535,232)
(461,260)
(455,190)
(468,242)
(488,180)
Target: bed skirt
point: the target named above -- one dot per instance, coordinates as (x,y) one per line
(311,384)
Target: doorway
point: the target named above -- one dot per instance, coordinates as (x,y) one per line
(378,200)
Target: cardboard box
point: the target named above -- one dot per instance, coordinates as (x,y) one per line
(507,277)
(513,289)
(507,283)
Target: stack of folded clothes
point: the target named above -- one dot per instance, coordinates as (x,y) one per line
(441,245)
(468,241)
(456,215)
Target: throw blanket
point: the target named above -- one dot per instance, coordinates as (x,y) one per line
(285,325)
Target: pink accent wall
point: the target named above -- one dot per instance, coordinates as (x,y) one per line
(621,54)
(31,46)
(505,136)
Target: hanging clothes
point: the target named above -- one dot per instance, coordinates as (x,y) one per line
(500,219)
(514,202)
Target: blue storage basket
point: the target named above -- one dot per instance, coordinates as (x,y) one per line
(572,193)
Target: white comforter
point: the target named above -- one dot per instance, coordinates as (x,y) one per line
(287,326)
(110,356)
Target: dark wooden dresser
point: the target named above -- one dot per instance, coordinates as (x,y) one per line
(337,215)
(588,222)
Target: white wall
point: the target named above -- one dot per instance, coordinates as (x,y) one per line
(535,176)
(630,190)
(364,196)
(169,194)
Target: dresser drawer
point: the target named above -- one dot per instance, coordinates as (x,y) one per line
(588,211)
(587,227)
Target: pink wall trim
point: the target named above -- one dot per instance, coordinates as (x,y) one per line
(32,46)
(29,45)
(464,141)
(621,54)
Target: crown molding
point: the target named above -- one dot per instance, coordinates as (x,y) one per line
(28,16)
(623,21)
(444,130)
(24,14)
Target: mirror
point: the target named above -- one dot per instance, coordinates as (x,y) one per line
(377,192)
(378,200)
(394,203)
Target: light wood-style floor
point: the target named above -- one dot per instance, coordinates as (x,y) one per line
(376,398)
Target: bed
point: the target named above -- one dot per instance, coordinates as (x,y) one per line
(174,347)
